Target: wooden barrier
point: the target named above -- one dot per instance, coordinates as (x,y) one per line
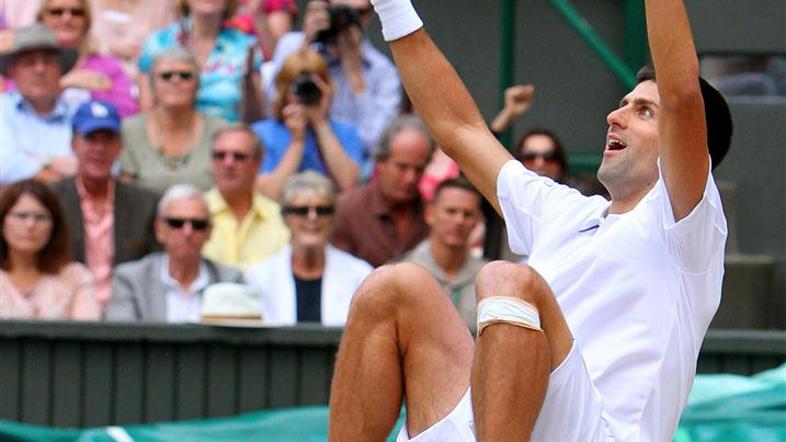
(80,374)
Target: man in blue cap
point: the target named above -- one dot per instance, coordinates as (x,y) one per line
(111,222)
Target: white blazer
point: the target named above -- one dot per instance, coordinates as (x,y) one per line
(273,279)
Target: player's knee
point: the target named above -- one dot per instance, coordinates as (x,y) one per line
(388,288)
(503,278)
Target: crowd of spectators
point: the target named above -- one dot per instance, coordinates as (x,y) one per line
(152,149)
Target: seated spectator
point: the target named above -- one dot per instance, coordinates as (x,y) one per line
(367,87)
(229,81)
(110,222)
(541,151)
(301,136)
(120,27)
(168,286)
(96,76)
(37,278)
(268,20)
(309,280)
(383,219)
(170,143)
(35,121)
(451,217)
(247,226)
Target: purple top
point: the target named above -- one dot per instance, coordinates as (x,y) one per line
(120,92)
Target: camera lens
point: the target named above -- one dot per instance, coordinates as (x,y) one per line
(306,90)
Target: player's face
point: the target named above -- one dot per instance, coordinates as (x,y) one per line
(630,157)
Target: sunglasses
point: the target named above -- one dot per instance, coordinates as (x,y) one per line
(219,155)
(196,223)
(305,210)
(73,12)
(530,156)
(183,75)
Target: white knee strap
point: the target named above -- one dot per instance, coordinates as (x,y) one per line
(507,310)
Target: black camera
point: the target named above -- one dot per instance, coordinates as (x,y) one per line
(306,89)
(342,17)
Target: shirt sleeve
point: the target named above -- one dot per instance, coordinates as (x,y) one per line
(15,163)
(85,305)
(529,202)
(695,239)
(349,139)
(378,104)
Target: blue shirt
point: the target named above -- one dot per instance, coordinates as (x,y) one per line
(221,80)
(28,140)
(275,136)
(369,112)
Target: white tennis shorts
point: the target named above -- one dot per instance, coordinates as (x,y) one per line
(571,411)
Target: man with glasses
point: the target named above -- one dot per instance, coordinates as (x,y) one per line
(247,226)
(35,121)
(168,286)
(367,87)
(111,222)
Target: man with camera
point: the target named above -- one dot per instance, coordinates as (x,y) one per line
(367,88)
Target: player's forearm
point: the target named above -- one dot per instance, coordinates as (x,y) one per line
(673,51)
(435,89)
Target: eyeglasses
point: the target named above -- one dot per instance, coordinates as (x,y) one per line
(73,12)
(306,210)
(37,217)
(219,155)
(196,223)
(530,156)
(183,75)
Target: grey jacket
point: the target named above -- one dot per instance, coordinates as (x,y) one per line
(138,294)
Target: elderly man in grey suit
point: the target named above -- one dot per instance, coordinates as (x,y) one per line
(168,286)
(110,222)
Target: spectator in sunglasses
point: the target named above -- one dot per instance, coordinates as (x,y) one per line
(308,280)
(96,76)
(168,286)
(247,226)
(540,151)
(170,143)
(38,280)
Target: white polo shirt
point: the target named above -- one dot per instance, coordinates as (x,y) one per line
(638,290)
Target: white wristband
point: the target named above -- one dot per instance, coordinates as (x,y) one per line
(398,18)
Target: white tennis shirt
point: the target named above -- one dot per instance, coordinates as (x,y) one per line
(638,290)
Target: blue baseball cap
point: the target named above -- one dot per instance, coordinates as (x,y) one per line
(95,115)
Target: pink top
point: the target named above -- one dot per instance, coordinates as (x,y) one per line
(69,294)
(99,239)
(119,94)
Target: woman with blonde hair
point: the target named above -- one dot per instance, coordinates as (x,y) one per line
(170,143)
(309,280)
(95,76)
(38,279)
(228,60)
(301,136)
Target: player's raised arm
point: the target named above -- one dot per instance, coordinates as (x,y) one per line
(441,98)
(682,133)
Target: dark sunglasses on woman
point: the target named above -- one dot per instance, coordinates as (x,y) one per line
(183,75)
(305,210)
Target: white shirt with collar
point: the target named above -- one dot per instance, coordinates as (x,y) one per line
(638,290)
(183,304)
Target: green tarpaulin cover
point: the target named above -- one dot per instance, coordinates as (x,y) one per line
(721,408)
